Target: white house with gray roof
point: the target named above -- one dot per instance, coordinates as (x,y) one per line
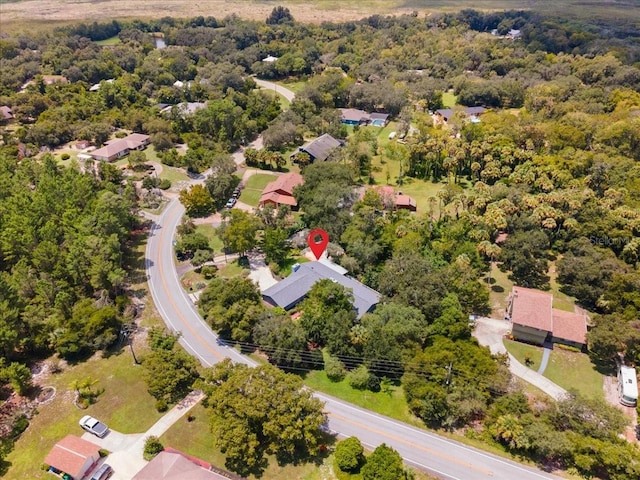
(293,289)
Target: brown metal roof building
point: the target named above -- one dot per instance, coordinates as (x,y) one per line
(280,191)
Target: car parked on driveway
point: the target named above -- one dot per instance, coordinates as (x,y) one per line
(105,471)
(94,426)
(231,202)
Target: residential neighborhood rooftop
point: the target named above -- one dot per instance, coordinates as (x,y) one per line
(532,308)
(71,455)
(280,191)
(171,464)
(290,291)
(321,147)
(569,326)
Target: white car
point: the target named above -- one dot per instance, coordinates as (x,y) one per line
(94,426)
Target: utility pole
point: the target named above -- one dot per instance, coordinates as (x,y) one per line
(449,369)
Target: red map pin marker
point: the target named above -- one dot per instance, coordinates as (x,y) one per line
(318,245)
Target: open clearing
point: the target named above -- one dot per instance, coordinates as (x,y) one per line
(25,14)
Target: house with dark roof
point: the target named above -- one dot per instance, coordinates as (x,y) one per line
(534,320)
(472,113)
(280,191)
(292,290)
(171,464)
(72,456)
(120,147)
(320,148)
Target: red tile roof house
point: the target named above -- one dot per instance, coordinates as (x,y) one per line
(534,320)
(393,200)
(74,456)
(280,191)
(120,147)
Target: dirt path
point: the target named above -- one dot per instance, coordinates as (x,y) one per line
(610,386)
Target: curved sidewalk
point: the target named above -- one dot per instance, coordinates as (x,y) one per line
(490,332)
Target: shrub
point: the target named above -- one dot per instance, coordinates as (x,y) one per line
(349,455)
(334,369)
(161,405)
(373,383)
(209,271)
(164,184)
(152,447)
(359,378)
(65,156)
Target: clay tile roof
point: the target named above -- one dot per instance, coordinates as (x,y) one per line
(569,326)
(405,200)
(70,454)
(532,308)
(278,198)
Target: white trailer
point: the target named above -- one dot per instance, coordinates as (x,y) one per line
(627,386)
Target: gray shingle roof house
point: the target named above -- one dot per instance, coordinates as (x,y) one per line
(320,148)
(447,113)
(292,290)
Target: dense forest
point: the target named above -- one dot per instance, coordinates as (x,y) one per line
(554,164)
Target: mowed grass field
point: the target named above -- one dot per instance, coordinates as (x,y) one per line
(30,14)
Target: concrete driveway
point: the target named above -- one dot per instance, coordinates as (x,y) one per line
(490,332)
(126,449)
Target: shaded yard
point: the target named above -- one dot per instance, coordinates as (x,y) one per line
(125,406)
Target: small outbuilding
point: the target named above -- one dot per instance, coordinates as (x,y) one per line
(72,456)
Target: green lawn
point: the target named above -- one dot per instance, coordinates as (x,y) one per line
(108,41)
(260,180)
(250,196)
(294,86)
(570,370)
(574,370)
(561,301)
(392,404)
(232,269)
(522,351)
(125,406)
(209,231)
(173,174)
(448,99)
(253,188)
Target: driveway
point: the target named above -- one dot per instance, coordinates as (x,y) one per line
(489,332)
(126,449)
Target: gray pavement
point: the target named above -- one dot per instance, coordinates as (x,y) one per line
(546,353)
(489,332)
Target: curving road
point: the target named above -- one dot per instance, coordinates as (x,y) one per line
(424,450)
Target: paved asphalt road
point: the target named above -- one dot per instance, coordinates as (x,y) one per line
(444,458)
